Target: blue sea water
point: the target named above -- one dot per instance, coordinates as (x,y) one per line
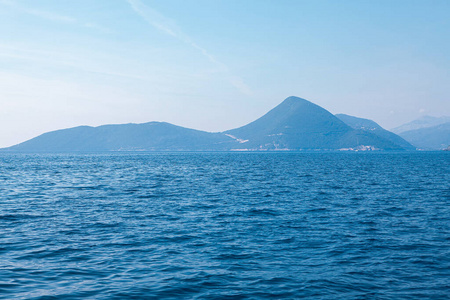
(225,226)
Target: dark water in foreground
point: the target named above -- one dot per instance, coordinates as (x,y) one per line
(225,225)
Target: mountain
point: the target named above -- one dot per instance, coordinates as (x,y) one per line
(429,138)
(295,124)
(152,136)
(423,122)
(373,127)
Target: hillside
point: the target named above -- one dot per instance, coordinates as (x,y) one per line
(298,124)
(152,136)
(373,127)
(429,138)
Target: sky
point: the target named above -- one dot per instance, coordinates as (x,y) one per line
(215,65)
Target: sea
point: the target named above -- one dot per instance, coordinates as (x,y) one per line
(232,225)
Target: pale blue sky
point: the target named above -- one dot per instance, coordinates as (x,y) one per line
(216,65)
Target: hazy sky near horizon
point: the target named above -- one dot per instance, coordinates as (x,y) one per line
(217,64)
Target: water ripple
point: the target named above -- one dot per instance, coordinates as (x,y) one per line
(225,226)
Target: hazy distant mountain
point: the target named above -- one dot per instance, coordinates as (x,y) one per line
(157,136)
(299,124)
(373,127)
(429,138)
(423,122)
(295,124)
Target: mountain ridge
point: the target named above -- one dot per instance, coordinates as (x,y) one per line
(426,133)
(375,128)
(429,138)
(422,122)
(295,124)
(125,137)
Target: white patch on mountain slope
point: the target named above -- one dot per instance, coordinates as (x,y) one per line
(237,139)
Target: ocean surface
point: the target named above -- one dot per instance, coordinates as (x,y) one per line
(225,226)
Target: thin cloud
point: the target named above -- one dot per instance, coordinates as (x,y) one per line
(62,60)
(50,16)
(169,27)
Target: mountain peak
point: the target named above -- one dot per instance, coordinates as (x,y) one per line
(292,125)
(293,99)
(296,102)
(297,123)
